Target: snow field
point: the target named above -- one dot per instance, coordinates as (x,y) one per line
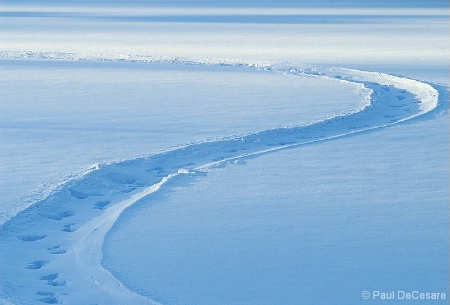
(112,188)
(274,183)
(134,103)
(297,226)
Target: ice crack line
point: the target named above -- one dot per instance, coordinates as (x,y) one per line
(53,250)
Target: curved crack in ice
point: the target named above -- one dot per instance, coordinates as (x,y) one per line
(104,193)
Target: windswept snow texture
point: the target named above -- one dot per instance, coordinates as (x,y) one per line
(107,111)
(73,209)
(159,153)
(298,226)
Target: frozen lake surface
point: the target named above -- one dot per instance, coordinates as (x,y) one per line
(310,225)
(102,112)
(208,153)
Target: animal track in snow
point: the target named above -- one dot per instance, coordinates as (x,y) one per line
(58,216)
(69,227)
(53,280)
(31,237)
(100,205)
(124,179)
(36,265)
(56,250)
(78,194)
(48,297)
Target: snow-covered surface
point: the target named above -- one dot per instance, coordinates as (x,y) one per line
(302,183)
(255,30)
(304,226)
(150,107)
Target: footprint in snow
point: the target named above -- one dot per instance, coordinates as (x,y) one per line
(78,194)
(56,250)
(36,265)
(48,297)
(31,237)
(101,204)
(53,280)
(69,227)
(58,216)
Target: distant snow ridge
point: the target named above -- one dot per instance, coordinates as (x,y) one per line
(51,253)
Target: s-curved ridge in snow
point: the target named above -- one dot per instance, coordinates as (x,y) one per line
(47,259)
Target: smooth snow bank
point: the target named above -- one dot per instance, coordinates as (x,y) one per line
(57,243)
(314,225)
